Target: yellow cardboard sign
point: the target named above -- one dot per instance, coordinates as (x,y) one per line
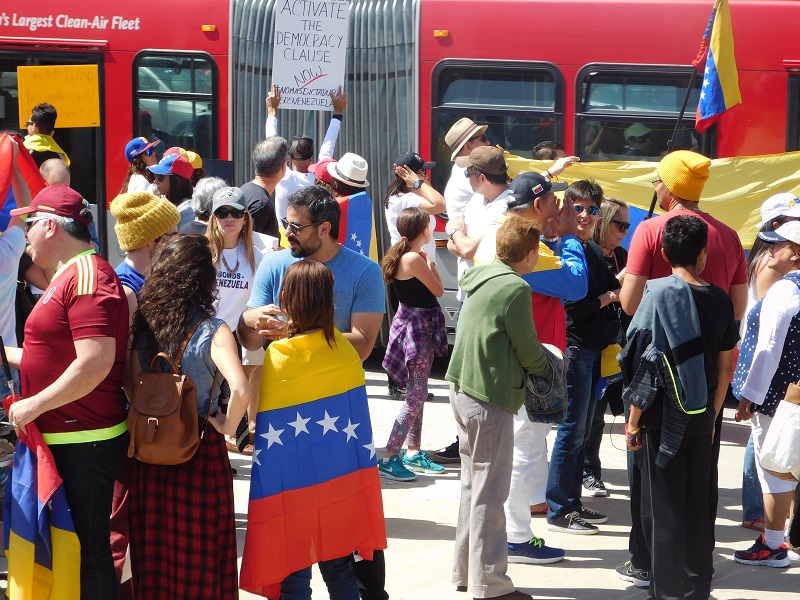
(73,89)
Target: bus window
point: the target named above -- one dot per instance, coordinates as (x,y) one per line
(793,115)
(627,112)
(175,95)
(521,102)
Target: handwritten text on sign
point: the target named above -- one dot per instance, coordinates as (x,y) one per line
(309,51)
(72,89)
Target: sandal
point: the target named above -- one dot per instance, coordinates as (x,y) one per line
(756,524)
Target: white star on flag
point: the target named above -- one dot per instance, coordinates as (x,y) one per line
(273,436)
(353,237)
(358,243)
(371,448)
(255,456)
(350,430)
(361,252)
(706,83)
(299,425)
(702,95)
(708,69)
(328,423)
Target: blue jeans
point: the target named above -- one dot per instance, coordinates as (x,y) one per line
(752,497)
(565,478)
(338,576)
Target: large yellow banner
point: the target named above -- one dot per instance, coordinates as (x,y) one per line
(735,190)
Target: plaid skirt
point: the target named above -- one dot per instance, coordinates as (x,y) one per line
(182,527)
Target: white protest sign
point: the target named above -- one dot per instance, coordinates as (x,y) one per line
(309,51)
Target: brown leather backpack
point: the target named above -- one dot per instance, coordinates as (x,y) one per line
(162,420)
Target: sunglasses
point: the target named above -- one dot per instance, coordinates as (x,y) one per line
(149,152)
(30,222)
(655,182)
(160,177)
(593,210)
(481,137)
(294,228)
(222,213)
(29,123)
(623,226)
(471,171)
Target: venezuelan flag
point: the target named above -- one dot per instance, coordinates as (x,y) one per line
(315,492)
(28,169)
(44,554)
(720,90)
(356,228)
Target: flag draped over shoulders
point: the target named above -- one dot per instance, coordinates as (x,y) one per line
(716,60)
(356,227)
(44,554)
(315,492)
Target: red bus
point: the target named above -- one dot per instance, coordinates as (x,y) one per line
(582,72)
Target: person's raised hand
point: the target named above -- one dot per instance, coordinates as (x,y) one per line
(339,101)
(273,100)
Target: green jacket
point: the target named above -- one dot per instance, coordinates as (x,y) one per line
(496,340)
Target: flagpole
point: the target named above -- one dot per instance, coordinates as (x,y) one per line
(671,141)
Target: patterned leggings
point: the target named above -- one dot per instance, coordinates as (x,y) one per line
(408,425)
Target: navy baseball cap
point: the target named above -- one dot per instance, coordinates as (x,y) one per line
(526,187)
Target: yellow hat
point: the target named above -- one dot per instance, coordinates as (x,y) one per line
(684,173)
(194,158)
(142,218)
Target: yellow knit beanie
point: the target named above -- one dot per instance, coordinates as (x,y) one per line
(141,218)
(684,173)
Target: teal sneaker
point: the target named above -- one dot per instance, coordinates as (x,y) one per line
(393,469)
(421,463)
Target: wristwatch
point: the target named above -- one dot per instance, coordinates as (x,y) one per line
(455,231)
(418,183)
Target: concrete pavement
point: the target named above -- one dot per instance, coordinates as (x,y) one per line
(421,520)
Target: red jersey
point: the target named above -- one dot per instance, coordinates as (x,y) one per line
(725,266)
(84,300)
(550,321)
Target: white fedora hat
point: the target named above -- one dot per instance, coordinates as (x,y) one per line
(350,169)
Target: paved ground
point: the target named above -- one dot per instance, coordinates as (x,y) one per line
(421,520)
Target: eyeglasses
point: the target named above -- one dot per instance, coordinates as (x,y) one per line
(222,213)
(30,222)
(593,210)
(481,137)
(623,226)
(29,123)
(294,228)
(160,177)
(471,171)
(656,181)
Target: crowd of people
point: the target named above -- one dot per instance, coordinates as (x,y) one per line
(250,290)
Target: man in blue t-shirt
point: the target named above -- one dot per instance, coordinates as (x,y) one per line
(312,229)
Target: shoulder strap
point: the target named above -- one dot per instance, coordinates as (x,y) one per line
(186,341)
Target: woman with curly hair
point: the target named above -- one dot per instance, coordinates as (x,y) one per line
(183,535)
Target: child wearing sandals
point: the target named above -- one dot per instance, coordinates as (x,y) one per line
(417,334)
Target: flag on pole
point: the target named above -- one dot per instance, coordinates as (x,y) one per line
(716,60)
(43,550)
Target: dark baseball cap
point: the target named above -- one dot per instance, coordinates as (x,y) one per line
(413,161)
(489,159)
(526,187)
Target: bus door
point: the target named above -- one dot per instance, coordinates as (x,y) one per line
(83,145)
